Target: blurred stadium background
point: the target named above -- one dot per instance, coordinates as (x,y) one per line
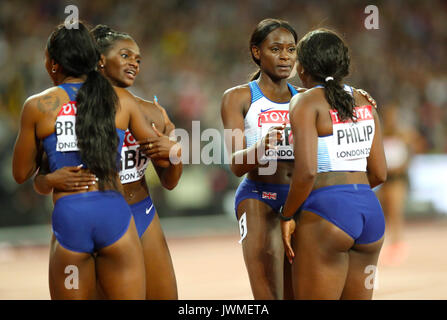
(192,51)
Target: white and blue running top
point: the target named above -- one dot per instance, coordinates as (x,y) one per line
(348,147)
(264,114)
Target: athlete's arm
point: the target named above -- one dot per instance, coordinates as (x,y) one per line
(303,117)
(25,155)
(66,179)
(376,163)
(376,169)
(169,176)
(163,148)
(133,118)
(161,145)
(243,159)
(169,125)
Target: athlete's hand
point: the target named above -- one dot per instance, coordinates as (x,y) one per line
(70,179)
(160,148)
(272,137)
(367,96)
(287,229)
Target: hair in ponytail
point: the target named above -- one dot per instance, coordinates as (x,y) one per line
(255,75)
(325,57)
(263,29)
(76,52)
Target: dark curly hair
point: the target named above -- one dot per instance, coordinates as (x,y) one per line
(322,54)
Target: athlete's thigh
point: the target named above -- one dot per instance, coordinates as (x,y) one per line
(71,274)
(397,191)
(160,277)
(362,273)
(321,258)
(384,196)
(120,267)
(263,227)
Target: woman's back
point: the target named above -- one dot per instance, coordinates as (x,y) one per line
(77,122)
(343,155)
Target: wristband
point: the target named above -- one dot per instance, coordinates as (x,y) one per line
(282,217)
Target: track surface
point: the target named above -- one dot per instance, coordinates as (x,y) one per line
(212,267)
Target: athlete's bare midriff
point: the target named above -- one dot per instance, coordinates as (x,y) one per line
(325,179)
(136,191)
(59,194)
(282,175)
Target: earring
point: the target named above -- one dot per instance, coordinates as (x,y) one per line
(53,70)
(101,66)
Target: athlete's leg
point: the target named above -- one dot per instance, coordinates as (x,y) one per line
(394,211)
(288,284)
(120,267)
(263,249)
(392,195)
(71,274)
(321,259)
(161,283)
(362,270)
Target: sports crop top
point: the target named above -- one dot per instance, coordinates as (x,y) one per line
(264,114)
(348,147)
(61,146)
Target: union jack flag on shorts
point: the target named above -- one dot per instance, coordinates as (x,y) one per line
(269,195)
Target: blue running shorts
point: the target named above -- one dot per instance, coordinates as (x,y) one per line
(354,208)
(272,194)
(89,221)
(143,214)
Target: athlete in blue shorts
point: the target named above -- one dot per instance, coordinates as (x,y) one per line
(78,124)
(120,64)
(339,156)
(257,114)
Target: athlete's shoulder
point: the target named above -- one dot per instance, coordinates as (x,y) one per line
(126,98)
(46,101)
(238,91)
(123,93)
(298,89)
(236,101)
(150,106)
(143,103)
(307,98)
(306,94)
(156,113)
(47,92)
(239,95)
(147,104)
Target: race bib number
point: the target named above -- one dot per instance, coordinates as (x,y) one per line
(243,226)
(274,118)
(352,140)
(133,161)
(65,128)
